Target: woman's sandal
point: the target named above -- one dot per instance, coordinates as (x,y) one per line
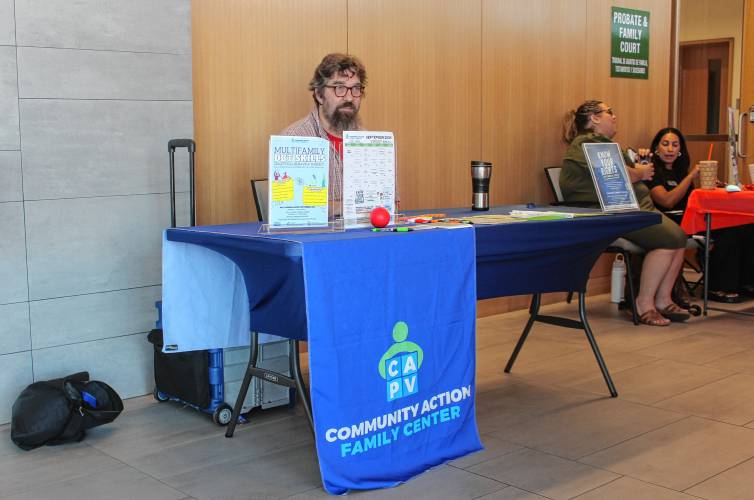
(693,309)
(725,297)
(653,318)
(675,313)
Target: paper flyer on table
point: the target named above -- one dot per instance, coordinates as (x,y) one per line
(368,175)
(298,174)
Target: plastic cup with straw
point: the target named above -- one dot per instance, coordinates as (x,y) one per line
(708,171)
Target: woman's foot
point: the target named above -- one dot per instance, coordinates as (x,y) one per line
(648,314)
(653,318)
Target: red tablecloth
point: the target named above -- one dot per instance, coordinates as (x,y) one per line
(727,209)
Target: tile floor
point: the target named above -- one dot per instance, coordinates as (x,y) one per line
(682,428)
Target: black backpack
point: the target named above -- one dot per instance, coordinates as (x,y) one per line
(59,411)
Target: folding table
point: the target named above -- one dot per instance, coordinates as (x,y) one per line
(709,209)
(408,324)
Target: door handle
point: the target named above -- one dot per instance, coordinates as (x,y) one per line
(741,153)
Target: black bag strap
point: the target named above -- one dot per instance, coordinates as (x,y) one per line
(94,416)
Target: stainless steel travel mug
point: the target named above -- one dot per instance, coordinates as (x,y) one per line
(480,180)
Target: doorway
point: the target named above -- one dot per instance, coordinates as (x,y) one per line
(704,90)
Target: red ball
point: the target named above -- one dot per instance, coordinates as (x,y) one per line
(380,217)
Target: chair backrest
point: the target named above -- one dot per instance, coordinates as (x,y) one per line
(259,190)
(553,177)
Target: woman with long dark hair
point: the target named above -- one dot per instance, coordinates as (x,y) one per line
(731,259)
(673,180)
(595,121)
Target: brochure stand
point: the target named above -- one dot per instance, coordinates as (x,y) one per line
(368,176)
(298,188)
(611,180)
(333,226)
(335,223)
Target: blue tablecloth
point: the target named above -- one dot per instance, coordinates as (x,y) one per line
(390,321)
(544,256)
(512,259)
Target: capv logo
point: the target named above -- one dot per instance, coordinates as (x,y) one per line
(400,364)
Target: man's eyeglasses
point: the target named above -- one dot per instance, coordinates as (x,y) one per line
(609,111)
(340,90)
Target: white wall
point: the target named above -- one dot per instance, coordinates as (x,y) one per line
(712,19)
(90,93)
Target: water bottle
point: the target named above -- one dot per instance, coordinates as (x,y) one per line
(617,279)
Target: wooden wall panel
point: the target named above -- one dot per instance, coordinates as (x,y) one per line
(488,79)
(252,62)
(698,150)
(423,60)
(641,105)
(533,69)
(456,81)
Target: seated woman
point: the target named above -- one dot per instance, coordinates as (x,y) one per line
(594,121)
(731,258)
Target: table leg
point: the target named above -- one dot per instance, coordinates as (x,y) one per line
(595,348)
(706,273)
(631,291)
(293,381)
(533,312)
(708,232)
(253,353)
(566,323)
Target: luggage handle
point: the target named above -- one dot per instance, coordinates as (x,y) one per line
(190,145)
(174,144)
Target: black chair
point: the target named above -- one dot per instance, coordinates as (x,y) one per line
(259,188)
(699,242)
(619,246)
(696,242)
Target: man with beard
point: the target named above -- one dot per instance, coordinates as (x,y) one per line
(337,88)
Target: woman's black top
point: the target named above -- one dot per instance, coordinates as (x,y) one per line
(669,179)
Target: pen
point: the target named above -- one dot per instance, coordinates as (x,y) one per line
(392,229)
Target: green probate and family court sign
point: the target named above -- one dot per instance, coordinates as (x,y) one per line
(630,44)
